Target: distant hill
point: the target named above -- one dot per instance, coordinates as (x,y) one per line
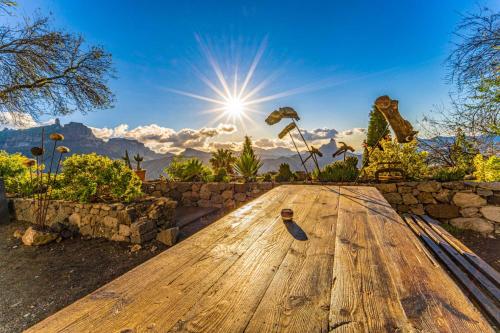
(81,140)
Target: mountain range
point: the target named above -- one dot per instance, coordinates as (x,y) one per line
(81,140)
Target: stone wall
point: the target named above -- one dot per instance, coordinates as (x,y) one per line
(137,222)
(217,195)
(465,205)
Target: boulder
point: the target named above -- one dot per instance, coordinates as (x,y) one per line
(417,209)
(168,236)
(494,186)
(442,211)
(432,186)
(470,212)
(124,230)
(409,199)
(464,199)
(443,196)
(241,197)
(473,223)
(228,194)
(110,222)
(34,237)
(484,192)
(393,198)
(492,213)
(426,198)
(386,188)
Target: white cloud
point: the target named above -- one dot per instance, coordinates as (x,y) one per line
(164,139)
(16,120)
(316,134)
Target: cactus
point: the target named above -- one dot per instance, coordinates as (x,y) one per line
(138,158)
(126,158)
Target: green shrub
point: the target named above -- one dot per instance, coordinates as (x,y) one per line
(339,171)
(412,161)
(91,178)
(267,177)
(284,173)
(221,176)
(446,174)
(190,170)
(487,170)
(247,166)
(15,174)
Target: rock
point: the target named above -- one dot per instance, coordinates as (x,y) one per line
(240,188)
(442,211)
(124,230)
(110,222)
(18,233)
(453,185)
(432,186)
(473,223)
(464,199)
(492,213)
(204,203)
(417,209)
(426,198)
(75,219)
(494,199)
(118,238)
(168,236)
(36,237)
(443,196)
(135,248)
(241,197)
(409,199)
(393,198)
(484,192)
(470,212)
(494,186)
(405,189)
(386,188)
(228,194)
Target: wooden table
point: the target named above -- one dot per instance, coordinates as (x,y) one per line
(347,263)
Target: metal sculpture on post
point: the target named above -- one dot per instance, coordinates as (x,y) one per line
(342,150)
(288,112)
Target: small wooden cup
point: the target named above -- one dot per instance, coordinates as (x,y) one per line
(287,214)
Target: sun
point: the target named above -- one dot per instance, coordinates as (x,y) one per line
(235,107)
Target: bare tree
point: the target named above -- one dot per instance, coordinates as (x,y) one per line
(477,49)
(45,71)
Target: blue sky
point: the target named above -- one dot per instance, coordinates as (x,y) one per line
(350,52)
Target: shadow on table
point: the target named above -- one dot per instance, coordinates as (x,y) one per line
(295,230)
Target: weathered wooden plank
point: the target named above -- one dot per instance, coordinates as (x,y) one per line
(230,303)
(431,299)
(464,263)
(364,298)
(487,304)
(298,298)
(138,288)
(464,250)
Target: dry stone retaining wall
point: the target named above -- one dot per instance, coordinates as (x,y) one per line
(137,222)
(217,195)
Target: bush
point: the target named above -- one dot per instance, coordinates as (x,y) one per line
(284,173)
(15,174)
(91,178)
(487,170)
(412,161)
(268,177)
(339,171)
(190,170)
(221,176)
(446,174)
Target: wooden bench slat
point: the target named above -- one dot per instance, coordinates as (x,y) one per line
(473,271)
(468,253)
(485,302)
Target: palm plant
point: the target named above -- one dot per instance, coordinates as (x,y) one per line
(247,166)
(222,159)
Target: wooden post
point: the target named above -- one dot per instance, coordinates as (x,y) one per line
(4,205)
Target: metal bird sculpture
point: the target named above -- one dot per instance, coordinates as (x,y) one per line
(284,112)
(342,150)
(287,130)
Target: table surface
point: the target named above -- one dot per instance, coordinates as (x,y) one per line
(346,263)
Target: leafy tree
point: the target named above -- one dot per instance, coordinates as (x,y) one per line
(48,71)
(339,171)
(412,161)
(248,147)
(377,129)
(15,174)
(284,173)
(222,159)
(190,170)
(91,178)
(487,170)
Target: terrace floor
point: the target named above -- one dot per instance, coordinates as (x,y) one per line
(346,263)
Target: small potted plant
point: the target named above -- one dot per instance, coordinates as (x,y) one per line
(141,173)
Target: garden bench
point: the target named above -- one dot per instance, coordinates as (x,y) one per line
(389,173)
(347,262)
(474,274)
